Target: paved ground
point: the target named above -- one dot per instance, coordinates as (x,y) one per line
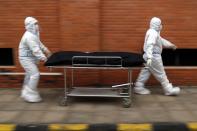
(148,108)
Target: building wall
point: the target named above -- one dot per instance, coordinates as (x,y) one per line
(98,25)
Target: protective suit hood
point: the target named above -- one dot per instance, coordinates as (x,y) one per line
(31,26)
(155,24)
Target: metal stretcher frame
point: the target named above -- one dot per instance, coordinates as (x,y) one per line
(123,91)
(127,97)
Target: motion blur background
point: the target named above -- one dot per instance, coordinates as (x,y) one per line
(95,25)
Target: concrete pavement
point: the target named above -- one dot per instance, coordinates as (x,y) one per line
(145,109)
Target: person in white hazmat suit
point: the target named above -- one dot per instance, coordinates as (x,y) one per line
(31,51)
(153,45)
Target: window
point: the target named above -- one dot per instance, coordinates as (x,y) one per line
(179,57)
(6,57)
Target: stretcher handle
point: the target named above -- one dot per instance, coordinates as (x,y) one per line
(120,85)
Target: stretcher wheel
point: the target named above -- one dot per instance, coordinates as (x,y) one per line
(63,102)
(126,102)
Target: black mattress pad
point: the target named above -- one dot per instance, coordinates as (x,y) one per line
(65,58)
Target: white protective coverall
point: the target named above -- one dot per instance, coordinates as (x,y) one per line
(153,45)
(31,50)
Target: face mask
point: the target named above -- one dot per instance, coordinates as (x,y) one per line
(161,27)
(37,27)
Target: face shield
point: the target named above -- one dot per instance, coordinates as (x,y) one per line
(155,24)
(31,25)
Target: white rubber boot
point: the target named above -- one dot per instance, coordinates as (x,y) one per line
(141,90)
(169,90)
(32,99)
(30,96)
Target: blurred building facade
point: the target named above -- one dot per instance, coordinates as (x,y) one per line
(97,25)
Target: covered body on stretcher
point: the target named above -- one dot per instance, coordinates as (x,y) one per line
(65,58)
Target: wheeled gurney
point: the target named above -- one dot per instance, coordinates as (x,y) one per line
(97,60)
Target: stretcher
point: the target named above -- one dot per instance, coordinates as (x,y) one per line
(97,60)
